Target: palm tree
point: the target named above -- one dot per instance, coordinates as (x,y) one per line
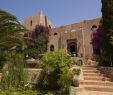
(10,31)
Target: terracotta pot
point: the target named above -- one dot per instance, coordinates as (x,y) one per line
(76,83)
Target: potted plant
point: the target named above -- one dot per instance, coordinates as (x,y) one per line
(76,72)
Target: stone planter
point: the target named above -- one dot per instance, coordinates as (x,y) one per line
(76,80)
(31,63)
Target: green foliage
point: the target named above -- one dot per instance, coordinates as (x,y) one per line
(10,31)
(2,59)
(73,61)
(65,80)
(31,52)
(107,13)
(107,23)
(39,42)
(20,92)
(76,71)
(56,66)
(14,76)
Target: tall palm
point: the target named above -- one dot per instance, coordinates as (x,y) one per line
(10,31)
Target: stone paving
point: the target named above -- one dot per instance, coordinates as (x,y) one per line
(94,93)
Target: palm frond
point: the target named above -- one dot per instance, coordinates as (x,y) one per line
(10,30)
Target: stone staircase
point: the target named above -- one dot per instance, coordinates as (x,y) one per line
(94,83)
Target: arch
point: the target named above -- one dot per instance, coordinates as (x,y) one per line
(55,33)
(94,27)
(51,47)
(31,23)
(72,47)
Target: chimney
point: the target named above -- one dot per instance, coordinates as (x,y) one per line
(46,21)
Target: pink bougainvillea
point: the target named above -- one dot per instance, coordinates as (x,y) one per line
(97,37)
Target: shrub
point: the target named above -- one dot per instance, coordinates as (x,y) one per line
(14,76)
(37,44)
(76,71)
(57,74)
(2,59)
(20,92)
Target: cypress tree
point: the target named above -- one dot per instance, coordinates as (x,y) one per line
(107,23)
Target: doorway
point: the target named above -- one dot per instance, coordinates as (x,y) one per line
(72,46)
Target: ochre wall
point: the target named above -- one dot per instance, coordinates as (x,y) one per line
(80,31)
(38,19)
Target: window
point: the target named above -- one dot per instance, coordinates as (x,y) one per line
(52,48)
(94,28)
(73,30)
(50,26)
(31,23)
(55,33)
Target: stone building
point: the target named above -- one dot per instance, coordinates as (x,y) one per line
(38,19)
(73,38)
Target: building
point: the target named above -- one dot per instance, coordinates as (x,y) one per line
(73,38)
(38,19)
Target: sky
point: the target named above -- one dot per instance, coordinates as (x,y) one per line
(60,12)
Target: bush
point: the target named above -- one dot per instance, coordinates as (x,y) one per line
(2,59)
(76,71)
(14,76)
(20,92)
(57,74)
(37,44)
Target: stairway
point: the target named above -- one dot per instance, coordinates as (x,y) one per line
(94,83)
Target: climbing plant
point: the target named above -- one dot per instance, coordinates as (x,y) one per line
(38,41)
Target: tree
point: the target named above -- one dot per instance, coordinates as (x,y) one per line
(107,23)
(14,76)
(37,42)
(11,36)
(56,65)
(10,31)
(96,39)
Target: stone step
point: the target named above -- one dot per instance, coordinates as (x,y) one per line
(99,78)
(96,83)
(90,68)
(92,74)
(91,71)
(99,88)
(94,93)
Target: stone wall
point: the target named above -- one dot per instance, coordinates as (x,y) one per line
(38,19)
(34,76)
(107,71)
(80,31)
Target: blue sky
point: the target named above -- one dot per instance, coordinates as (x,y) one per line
(60,12)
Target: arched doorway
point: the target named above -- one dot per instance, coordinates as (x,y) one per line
(72,47)
(52,48)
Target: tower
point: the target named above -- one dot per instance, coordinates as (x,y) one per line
(38,19)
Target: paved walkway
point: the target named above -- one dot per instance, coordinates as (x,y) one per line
(94,93)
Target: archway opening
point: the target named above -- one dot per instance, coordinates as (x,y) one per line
(72,47)
(52,48)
